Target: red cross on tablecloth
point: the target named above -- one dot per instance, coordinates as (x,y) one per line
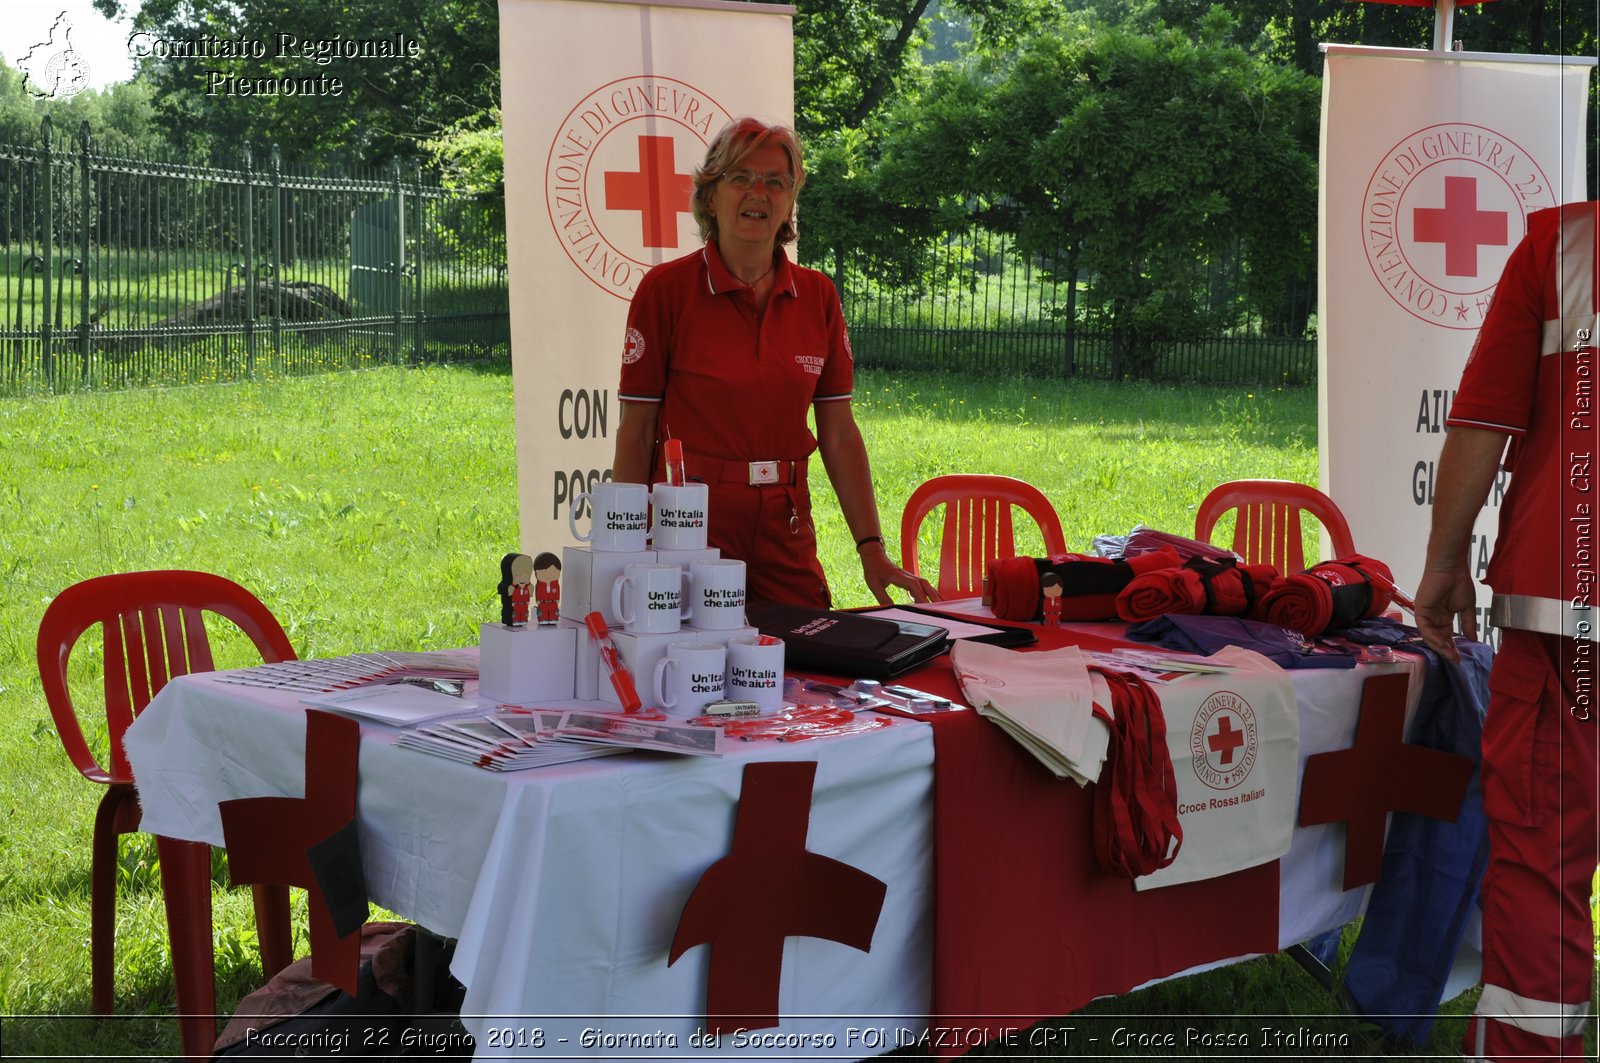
(656,190)
(1460,226)
(767,888)
(270,839)
(1378,775)
(1225,740)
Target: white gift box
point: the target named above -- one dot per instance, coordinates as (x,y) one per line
(683,557)
(586,579)
(641,653)
(519,666)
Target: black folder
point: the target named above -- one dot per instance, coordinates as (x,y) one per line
(850,644)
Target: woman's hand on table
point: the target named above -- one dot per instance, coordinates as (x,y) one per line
(881,573)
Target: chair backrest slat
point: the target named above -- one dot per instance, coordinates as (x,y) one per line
(195,641)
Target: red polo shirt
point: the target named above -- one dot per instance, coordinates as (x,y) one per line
(733,382)
(1532,376)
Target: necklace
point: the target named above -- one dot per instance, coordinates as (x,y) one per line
(758,280)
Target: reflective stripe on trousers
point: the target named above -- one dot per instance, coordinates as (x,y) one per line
(1543,1018)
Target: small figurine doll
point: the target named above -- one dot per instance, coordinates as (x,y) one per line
(547,589)
(516,572)
(1050,587)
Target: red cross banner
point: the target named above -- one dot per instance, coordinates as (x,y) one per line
(607,107)
(1431,163)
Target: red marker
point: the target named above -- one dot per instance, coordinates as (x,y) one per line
(621,678)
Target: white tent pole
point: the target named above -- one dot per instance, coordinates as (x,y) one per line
(1444,15)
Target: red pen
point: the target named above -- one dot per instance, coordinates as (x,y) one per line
(621,678)
(672,456)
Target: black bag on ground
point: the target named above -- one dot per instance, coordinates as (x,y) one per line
(297,1016)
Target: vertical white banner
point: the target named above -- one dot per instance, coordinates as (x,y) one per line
(607,107)
(1431,164)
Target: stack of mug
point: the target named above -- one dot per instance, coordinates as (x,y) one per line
(674,605)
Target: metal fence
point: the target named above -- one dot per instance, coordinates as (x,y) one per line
(119,272)
(993,309)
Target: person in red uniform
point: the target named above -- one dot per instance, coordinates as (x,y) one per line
(547,588)
(1531,380)
(727,350)
(515,592)
(1051,588)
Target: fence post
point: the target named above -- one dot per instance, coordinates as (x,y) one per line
(418,315)
(249,265)
(277,251)
(85,202)
(399,252)
(47,340)
(1072,311)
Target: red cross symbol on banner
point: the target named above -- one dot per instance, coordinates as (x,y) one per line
(656,190)
(767,888)
(1460,226)
(1225,740)
(1378,775)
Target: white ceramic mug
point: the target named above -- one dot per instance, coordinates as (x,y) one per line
(716,594)
(619,516)
(680,517)
(690,676)
(648,598)
(755,672)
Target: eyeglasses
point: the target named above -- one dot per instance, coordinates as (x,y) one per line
(743,180)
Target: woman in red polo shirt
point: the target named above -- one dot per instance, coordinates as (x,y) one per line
(727,349)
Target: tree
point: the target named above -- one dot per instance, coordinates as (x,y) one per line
(121,116)
(386,106)
(1135,158)
(851,56)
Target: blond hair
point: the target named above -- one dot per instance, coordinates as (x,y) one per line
(732,144)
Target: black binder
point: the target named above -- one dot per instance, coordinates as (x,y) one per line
(838,643)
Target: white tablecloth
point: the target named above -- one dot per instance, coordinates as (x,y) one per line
(564,883)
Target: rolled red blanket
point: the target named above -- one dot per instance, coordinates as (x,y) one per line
(1202,585)
(1173,590)
(1089,584)
(1331,595)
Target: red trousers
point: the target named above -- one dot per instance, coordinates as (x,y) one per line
(769,528)
(1540,781)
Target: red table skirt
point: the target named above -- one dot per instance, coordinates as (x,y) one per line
(1026,925)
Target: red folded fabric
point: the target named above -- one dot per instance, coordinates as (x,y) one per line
(1143,540)
(1202,585)
(1089,584)
(1330,595)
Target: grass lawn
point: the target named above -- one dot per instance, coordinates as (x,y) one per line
(369,511)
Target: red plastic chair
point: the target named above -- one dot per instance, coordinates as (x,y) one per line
(1268,530)
(977,526)
(153,630)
